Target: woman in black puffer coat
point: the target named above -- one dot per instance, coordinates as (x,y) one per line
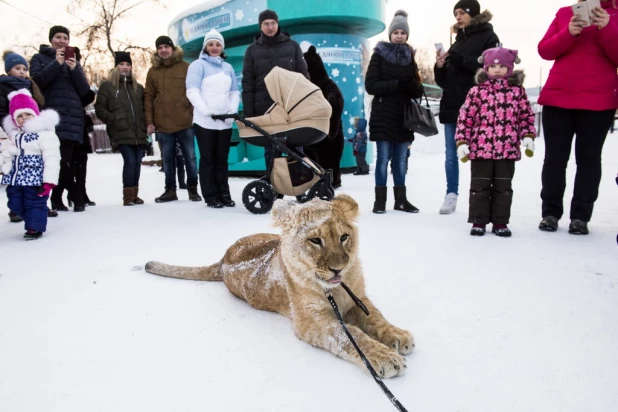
(63,83)
(454,72)
(393,79)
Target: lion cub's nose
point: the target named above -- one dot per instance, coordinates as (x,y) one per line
(335,271)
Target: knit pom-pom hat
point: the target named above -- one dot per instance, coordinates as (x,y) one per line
(21,101)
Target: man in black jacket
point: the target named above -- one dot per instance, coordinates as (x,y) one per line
(271,48)
(454,73)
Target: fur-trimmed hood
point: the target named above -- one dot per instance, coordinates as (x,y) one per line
(515,79)
(46,121)
(395,53)
(477,21)
(177,56)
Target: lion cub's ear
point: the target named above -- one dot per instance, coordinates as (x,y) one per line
(346,206)
(283,212)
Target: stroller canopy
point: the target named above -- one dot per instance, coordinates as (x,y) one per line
(298,103)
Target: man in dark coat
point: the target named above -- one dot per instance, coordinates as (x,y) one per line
(454,72)
(271,48)
(327,152)
(63,83)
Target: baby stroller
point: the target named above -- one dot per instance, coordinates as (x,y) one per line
(299,117)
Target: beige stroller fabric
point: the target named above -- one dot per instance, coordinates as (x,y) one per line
(290,90)
(281,180)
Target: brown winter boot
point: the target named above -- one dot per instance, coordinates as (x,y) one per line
(128,196)
(136,199)
(193,195)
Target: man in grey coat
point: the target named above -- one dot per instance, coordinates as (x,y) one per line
(271,48)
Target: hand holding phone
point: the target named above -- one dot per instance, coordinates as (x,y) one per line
(440,49)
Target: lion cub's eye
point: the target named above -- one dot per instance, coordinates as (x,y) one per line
(316,240)
(344,238)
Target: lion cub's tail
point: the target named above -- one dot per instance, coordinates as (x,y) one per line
(212,272)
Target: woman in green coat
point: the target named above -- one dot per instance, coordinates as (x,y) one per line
(120,105)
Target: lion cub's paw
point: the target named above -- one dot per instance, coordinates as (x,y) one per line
(397,339)
(386,362)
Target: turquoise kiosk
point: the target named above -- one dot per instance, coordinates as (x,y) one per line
(338,29)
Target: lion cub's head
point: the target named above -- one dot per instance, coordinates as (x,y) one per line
(319,239)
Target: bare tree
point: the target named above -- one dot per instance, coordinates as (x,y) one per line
(425,61)
(98,22)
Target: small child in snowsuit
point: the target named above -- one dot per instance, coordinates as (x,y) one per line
(495,119)
(36,164)
(360,146)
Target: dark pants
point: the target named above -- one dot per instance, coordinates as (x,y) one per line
(66,179)
(327,153)
(24,202)
(132,156)
(79,164)
(559,127)
(362,167)
(491,193)
(214,148)
(186,140)
(180,167)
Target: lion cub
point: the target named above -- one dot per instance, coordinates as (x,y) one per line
(289,273)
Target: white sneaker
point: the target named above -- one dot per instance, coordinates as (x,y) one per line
(449,205)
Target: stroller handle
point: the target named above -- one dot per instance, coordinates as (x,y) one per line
(225,116)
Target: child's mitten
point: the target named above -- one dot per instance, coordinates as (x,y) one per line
(528,144)
(462,152)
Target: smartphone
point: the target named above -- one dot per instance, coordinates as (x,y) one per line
(440,48)
(69,52)
(582,10)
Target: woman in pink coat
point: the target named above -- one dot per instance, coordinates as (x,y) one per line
(579,98)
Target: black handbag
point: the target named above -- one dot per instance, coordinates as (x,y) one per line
(419,119)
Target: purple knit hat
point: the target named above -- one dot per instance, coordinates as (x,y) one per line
(499,55)
(21,101)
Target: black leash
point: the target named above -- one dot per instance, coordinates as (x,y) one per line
(360,304)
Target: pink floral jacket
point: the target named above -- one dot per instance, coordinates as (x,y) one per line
(495,118)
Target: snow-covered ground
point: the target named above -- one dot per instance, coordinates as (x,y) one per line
(528,323)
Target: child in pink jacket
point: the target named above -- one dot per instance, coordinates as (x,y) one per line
(492,123)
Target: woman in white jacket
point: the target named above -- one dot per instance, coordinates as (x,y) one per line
(212,89)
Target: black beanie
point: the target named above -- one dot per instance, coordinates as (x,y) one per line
(58,29)
(122,57)
(472,7)
(164,40)
(268,15)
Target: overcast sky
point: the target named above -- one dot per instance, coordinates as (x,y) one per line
(519,24)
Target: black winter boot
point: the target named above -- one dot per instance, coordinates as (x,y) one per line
(14,218)
(167,196)
(401,202)
(56,200)
(193,195)
(578,227)
(227,201)
(379,206)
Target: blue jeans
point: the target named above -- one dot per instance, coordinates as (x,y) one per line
(186,138)
(25,202)
(395,153)
(132,156)
(451,164)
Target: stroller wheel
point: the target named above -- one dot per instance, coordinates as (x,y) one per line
(321,191)
(258,197)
